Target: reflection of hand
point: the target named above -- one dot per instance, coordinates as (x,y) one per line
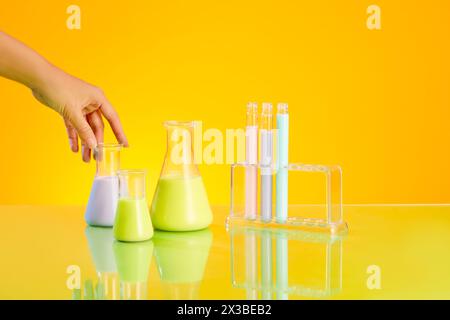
(82,106)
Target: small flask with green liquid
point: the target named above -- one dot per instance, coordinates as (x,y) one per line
(133,222)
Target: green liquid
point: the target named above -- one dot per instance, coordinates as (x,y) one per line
(182,256)
(180,204)
(133,260)
(133,221)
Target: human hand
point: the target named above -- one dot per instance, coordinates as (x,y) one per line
(80,104)
(82,107)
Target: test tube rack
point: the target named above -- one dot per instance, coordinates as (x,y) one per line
(326,217)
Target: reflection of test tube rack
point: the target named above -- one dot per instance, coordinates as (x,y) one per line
(280,286)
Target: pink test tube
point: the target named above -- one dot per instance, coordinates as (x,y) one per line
(251,154)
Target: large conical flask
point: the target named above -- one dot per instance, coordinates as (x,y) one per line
(180,202)
(101,208)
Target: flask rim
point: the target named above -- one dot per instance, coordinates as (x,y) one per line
(125,172)
(109,146)
(176,123)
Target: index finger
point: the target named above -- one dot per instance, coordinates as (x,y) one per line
(113,119)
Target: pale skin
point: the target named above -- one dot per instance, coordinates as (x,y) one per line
(81,105)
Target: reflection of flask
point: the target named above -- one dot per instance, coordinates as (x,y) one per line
(133,221)
(101,208)
(180,202)
(133,263)
(181,258)
(100,242)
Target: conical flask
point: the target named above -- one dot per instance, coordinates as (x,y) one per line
(181,258)
(133,221)
(180,202)
(101,208)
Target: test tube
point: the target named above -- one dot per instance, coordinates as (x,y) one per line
(251,172)
(266,160)
(283,162)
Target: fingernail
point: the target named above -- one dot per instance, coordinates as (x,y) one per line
(73,146)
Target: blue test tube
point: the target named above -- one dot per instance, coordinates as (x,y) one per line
(282,163)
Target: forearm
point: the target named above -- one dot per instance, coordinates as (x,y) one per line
(22,64)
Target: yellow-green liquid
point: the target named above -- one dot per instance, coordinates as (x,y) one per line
(180,204)
(133,221)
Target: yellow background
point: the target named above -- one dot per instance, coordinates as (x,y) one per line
(375,102)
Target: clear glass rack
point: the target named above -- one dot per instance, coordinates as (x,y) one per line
(325,215)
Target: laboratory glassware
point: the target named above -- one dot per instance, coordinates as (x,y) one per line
(101,208)
(283,162)
(180,202)
(266,161)
(251,156)
(133,222)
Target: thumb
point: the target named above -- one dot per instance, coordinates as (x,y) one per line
(84,130)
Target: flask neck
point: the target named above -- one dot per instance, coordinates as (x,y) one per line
(107,168)
(107,160)
(179,159)
(132,184)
